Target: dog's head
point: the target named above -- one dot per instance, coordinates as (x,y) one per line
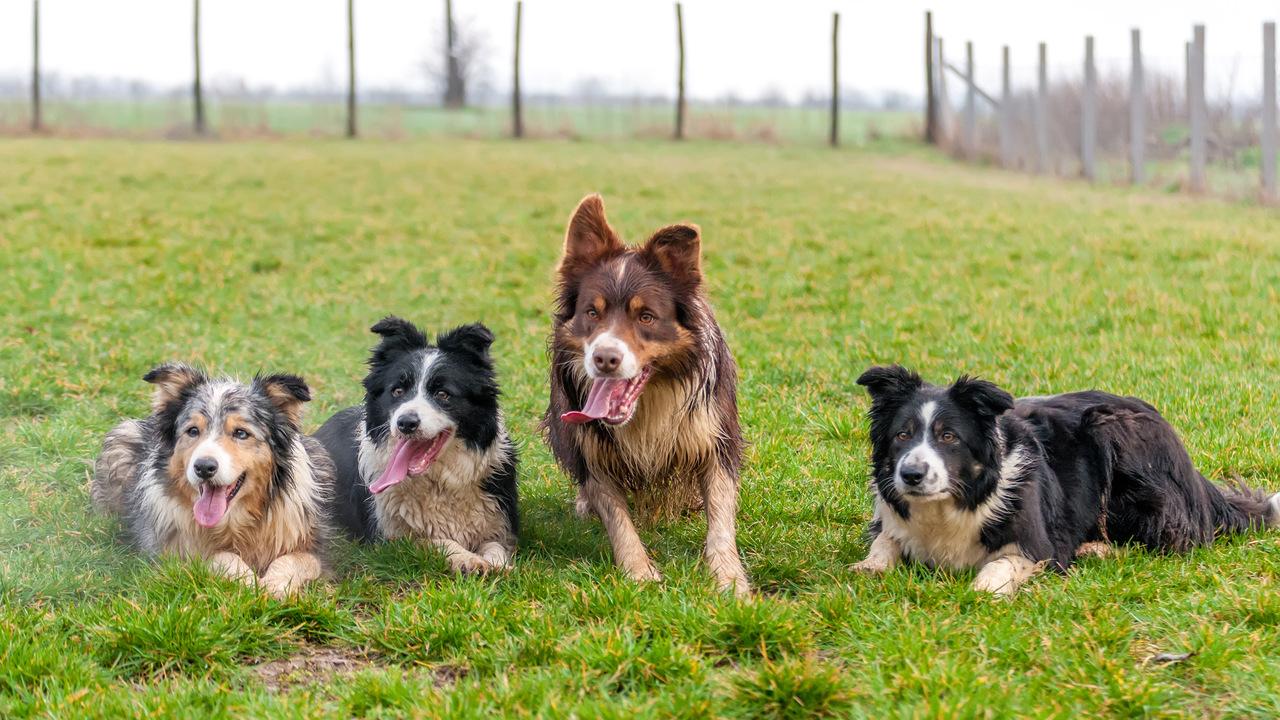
(227,445)
(933,443)
(624,313)
(421,396)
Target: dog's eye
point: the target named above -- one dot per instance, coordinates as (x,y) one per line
(397,392)
(193,431)
(904,436)
(947,436)
(442,396)
(647,318)
(591,313)
(240,434)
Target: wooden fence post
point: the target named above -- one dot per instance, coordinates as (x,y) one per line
(680,106)
(1137,113)
(1269,113)
(1042,112)
(1197,107)
(970,106)
(37,121)
(930,87)
(197,89)
(835,79)
(943,108)
(351,69)
(517,114)
(1006,110)
(1089,114)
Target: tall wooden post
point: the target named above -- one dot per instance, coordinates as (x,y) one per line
(1137,112)
(37,121)
(1042,112)
(1199,121)
(1269,112)
(197,88)
(930,101)
(1089,114)
(835,79)
(680,107)
(517,113)
(970,106)
(351,68)
(1006,110)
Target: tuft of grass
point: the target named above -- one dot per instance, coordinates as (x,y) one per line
(793,689)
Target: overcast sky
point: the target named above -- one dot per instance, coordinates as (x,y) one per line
(745,48)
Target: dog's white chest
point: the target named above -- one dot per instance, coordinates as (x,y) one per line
(937,534)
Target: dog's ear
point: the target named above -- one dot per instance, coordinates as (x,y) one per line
(286,392)
(980,396)
(678,250)
(171,380)
(398,335)
(889,385)
(474,339)
(589,237)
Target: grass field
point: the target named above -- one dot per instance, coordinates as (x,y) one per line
(115,256)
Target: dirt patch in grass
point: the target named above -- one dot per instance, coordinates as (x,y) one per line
(311,666)
(322,665)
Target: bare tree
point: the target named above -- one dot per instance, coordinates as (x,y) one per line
(457,62)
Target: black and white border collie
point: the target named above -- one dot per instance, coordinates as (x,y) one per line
(428,457)
(967,477)
(643,412)
(220,471)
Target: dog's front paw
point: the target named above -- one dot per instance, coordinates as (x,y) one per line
(470,564)
(497,557)
(279,585)
(872,566)
(644,573)
(729,574)
(1093,549)
(231,565)
(582,508)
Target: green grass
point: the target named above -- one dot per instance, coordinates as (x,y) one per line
(115,256)
(244,118)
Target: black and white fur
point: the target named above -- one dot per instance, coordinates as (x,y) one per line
(967,477)
(464,503)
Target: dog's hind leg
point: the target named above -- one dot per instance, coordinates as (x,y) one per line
(1095,548)
(720,498)
(231,565)
(288,573)
(1006,573)
(610,505)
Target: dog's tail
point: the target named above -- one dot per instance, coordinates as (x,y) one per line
(115,470)
(1239,508)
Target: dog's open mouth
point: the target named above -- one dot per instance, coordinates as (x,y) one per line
(610,400)
(411,456)
(211,506)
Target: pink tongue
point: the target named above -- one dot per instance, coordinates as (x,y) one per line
(397,469)
(211,505)
(597,405)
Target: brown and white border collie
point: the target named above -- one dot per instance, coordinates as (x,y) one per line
(643,390)
(220,471)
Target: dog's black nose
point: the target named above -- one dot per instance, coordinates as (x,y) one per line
(606,359)
(911,474)
(408,422)
(205,467)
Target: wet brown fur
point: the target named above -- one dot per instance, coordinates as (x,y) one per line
(683,445)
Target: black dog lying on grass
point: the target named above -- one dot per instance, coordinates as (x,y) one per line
(967,477)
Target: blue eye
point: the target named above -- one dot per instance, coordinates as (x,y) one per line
(240,434)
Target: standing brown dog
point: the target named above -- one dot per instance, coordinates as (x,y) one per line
(644,390)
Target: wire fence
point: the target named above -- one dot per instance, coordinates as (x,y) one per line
(1131,122)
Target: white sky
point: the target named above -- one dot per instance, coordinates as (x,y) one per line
(741,47)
